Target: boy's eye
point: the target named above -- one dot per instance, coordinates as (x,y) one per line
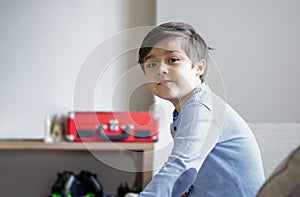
(173,59)
(150,65)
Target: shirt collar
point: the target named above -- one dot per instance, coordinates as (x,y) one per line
(200,88)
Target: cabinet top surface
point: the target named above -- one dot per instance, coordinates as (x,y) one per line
(40,145)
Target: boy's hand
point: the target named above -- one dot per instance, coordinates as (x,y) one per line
(136,195)
(131,195)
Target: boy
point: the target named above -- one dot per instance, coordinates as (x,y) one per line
(214,151)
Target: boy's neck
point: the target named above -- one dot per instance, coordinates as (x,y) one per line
(178,103)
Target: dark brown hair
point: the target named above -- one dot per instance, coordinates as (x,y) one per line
(193,44)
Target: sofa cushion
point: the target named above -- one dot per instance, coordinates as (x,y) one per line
(285,180)
(276,141)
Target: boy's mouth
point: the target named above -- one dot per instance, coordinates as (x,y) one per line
(164,82)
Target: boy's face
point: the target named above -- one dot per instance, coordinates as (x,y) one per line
(169,72)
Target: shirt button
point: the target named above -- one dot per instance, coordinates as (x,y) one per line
(175,128)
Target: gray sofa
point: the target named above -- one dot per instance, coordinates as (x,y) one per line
(276,142)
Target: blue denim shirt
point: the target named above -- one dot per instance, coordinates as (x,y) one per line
(214,151)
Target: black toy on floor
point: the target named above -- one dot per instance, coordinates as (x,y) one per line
(85,184)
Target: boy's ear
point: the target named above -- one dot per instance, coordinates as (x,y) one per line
(201,67)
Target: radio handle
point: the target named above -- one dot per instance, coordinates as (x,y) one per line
(123,136)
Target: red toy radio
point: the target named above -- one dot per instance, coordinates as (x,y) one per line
(112,126)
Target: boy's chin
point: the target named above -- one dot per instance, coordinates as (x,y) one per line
(169,97)
(163,92)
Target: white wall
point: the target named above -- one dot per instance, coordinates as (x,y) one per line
(257,52)
(44,46)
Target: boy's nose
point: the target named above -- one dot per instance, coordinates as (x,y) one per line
(162,69)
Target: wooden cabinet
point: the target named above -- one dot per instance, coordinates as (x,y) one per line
(30,167)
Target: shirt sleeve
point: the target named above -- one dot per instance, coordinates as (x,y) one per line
(194,138)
